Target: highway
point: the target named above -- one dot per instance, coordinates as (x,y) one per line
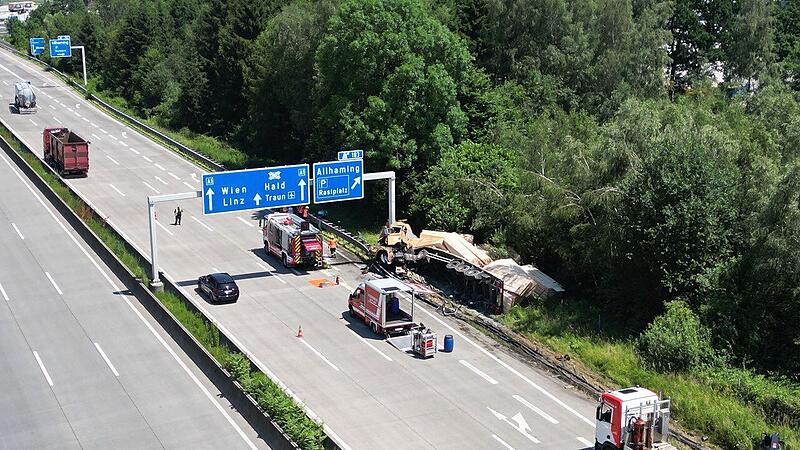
(82,366)
(369,395)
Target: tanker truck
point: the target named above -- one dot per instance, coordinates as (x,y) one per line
(24,97)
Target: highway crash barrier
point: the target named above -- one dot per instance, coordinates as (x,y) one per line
(247,407)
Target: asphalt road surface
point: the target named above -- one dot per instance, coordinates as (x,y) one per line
(368,394)
(81,365)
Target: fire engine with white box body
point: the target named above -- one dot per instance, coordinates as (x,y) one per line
(632,419)
(293,240)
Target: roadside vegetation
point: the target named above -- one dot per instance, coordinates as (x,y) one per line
(643,153)
(281,408)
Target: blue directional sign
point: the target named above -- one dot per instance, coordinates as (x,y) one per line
(37,46)
(240,190)
(61,47)
(338,180)
(350,154)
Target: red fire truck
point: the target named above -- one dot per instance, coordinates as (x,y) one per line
(294,240)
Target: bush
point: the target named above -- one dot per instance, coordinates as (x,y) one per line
(675,341)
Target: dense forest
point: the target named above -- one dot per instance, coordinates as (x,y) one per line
(644,152)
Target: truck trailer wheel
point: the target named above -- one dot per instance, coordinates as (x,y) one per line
(284,261)
(350,308)
(374,327)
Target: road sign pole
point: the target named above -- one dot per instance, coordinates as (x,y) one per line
(83,57)
(386,176)
(391,200)
(155,284)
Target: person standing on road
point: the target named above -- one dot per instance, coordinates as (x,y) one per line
(332,246)
(178,214)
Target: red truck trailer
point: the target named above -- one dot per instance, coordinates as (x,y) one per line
(65,151)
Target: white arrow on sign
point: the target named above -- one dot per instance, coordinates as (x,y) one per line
(302,185)
(210,195)
(257,199)
(518,424)
(356,182)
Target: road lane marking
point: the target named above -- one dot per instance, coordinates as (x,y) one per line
(164,228)
(215,270)
(585,442)
(103,354)
(303,340)
(151,187)
(189,186)
(62,104)
(517,422)
(271,273)
(538,411)
(368,343)
(53,282)
(85,119)
(94,124)
(478,372)
(113,137)
(123,144)
(57,120)
(112,160)
(327,272)
(194,176)
(511,369)
(44,370)
(5,82)
(160,166)
(201,223)
(155,334)
(162,181)
(146,158)
(78,114)
(96,137)
(3,291)
(134,150)
(174,176)
(336,268)
(17,230)
(115,188)
(246,222)
(502,442)
(51,106)
(104,131)
(70,110)
(34,123)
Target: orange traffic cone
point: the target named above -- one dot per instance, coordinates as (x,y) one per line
(299,331)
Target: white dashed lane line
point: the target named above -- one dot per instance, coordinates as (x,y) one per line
(151,187)
(201,223)
(174,176)
(34,123)
(51,106)
(115,188)
(164,228)
(134,150)
(112,160)
(246,222)
(146,158)
(94,124)
(161,180)
(189,186)
(96,137)
(104,131)
(160,167)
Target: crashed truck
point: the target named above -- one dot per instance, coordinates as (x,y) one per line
(24,98)
(471,271)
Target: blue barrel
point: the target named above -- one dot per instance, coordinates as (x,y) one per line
(448,343)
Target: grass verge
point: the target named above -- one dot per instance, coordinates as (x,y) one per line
(731,406)
(304,431)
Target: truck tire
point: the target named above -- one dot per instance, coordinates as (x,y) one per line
(383,257)
(609,446)
(284,260)
(374,327)
(352,313)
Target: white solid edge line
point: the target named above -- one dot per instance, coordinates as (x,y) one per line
(318,354)
(3,291)
(105,358)
(44,370)
(478,372)
(585,441)
(245,222)
(368,343)
(151,187)
(511,369)
(535,409)
(112,160)
(502,442)
(165,229)
(53,282)
(17,230)
(133,308)
(115,188)
(201,223)
(328,430)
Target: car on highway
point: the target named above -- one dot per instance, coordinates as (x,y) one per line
(220,287)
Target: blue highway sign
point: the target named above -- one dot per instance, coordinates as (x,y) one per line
(61,47)
(241,190)
(350,154)
(338,180)
(37,46)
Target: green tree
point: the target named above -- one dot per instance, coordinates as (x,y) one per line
(751,48)
(388,78)
(676,341)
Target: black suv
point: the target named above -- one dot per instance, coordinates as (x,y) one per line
(220,287)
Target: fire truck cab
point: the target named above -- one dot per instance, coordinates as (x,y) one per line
(293,240)
(632,419)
